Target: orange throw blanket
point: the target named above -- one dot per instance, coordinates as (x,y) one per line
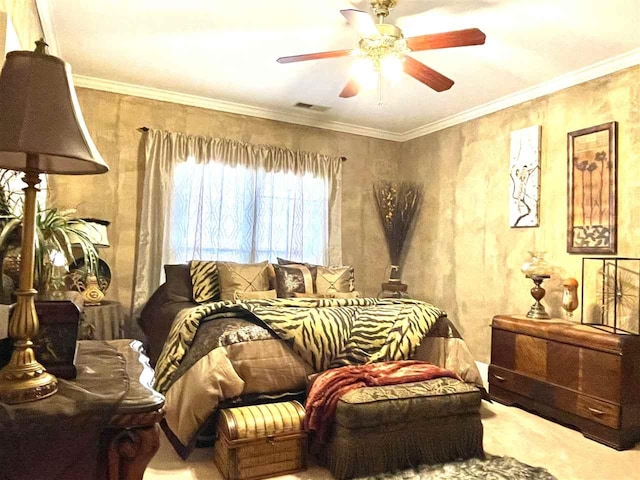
(330,385)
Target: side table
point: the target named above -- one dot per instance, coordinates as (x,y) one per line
(102,322)
(132,437)
(101,425)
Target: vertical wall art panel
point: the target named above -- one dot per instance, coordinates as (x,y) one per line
(524,172)
(591,223)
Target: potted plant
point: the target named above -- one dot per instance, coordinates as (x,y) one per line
(52,239)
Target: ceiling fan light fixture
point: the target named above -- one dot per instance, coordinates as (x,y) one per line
(382,49)
(365,72)
(391,67)
(381,8)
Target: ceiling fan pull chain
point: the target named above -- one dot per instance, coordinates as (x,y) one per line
(380,78)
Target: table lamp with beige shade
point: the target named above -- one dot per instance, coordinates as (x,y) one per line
(91,279)
(41,131)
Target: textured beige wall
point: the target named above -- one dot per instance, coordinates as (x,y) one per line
(463,256)
(113,120)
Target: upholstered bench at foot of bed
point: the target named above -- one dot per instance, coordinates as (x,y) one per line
(382,429)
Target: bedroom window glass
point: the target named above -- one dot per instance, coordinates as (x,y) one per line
(234,213)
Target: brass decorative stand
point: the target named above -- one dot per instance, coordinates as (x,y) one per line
(393,290)
(23,379)
(537,310)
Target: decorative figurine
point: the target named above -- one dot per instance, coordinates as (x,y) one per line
(92,293)
(570,296)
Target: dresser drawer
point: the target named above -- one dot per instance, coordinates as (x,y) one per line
(556,396)
(505,379)
(602,412)
(522,385)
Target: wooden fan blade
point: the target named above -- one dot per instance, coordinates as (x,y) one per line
(426,75)
(351,89)
(362,22)
(314,56)
(458,38)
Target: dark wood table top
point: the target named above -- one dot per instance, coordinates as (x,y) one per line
(140,397)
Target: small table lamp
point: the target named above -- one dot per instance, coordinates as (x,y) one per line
(41,131)
(538,270)
(94,285)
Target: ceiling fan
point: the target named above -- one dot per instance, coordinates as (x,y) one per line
(381,41)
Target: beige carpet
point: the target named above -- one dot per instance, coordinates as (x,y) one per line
(507,431)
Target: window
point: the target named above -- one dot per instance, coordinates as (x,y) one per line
(244,215)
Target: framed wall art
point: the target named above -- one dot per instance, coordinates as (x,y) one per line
(524,177)
(592,180)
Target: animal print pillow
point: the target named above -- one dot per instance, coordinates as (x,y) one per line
(205,281)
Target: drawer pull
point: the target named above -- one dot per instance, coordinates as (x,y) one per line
(499,378)
(595,411)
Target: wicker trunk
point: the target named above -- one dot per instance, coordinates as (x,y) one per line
(261,441)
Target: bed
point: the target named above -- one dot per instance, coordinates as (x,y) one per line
(221,353)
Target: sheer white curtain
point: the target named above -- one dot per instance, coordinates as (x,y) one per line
(213,199)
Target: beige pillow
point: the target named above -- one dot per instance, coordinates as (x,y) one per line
(310,295)
(257,295)
(353,294)
(334,279)
(242,277)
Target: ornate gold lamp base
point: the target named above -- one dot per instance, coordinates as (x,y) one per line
(26,381)
(537,310)
(23,379)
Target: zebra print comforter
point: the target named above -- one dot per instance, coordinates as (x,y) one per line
(326,333)
(224,352)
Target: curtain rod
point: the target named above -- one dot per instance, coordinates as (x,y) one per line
(146,129)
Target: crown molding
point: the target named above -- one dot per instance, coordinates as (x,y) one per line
(46,24)
(562,82)
(309,120)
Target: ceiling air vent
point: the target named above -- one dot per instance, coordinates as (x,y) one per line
(315,108)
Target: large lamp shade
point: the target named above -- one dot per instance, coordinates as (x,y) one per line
(40,115)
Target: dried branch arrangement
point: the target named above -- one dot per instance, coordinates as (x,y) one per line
(397,206)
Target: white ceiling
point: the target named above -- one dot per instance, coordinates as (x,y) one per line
(223,54)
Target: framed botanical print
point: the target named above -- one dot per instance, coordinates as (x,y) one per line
(592,180)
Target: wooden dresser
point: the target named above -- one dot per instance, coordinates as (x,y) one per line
(572,373)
